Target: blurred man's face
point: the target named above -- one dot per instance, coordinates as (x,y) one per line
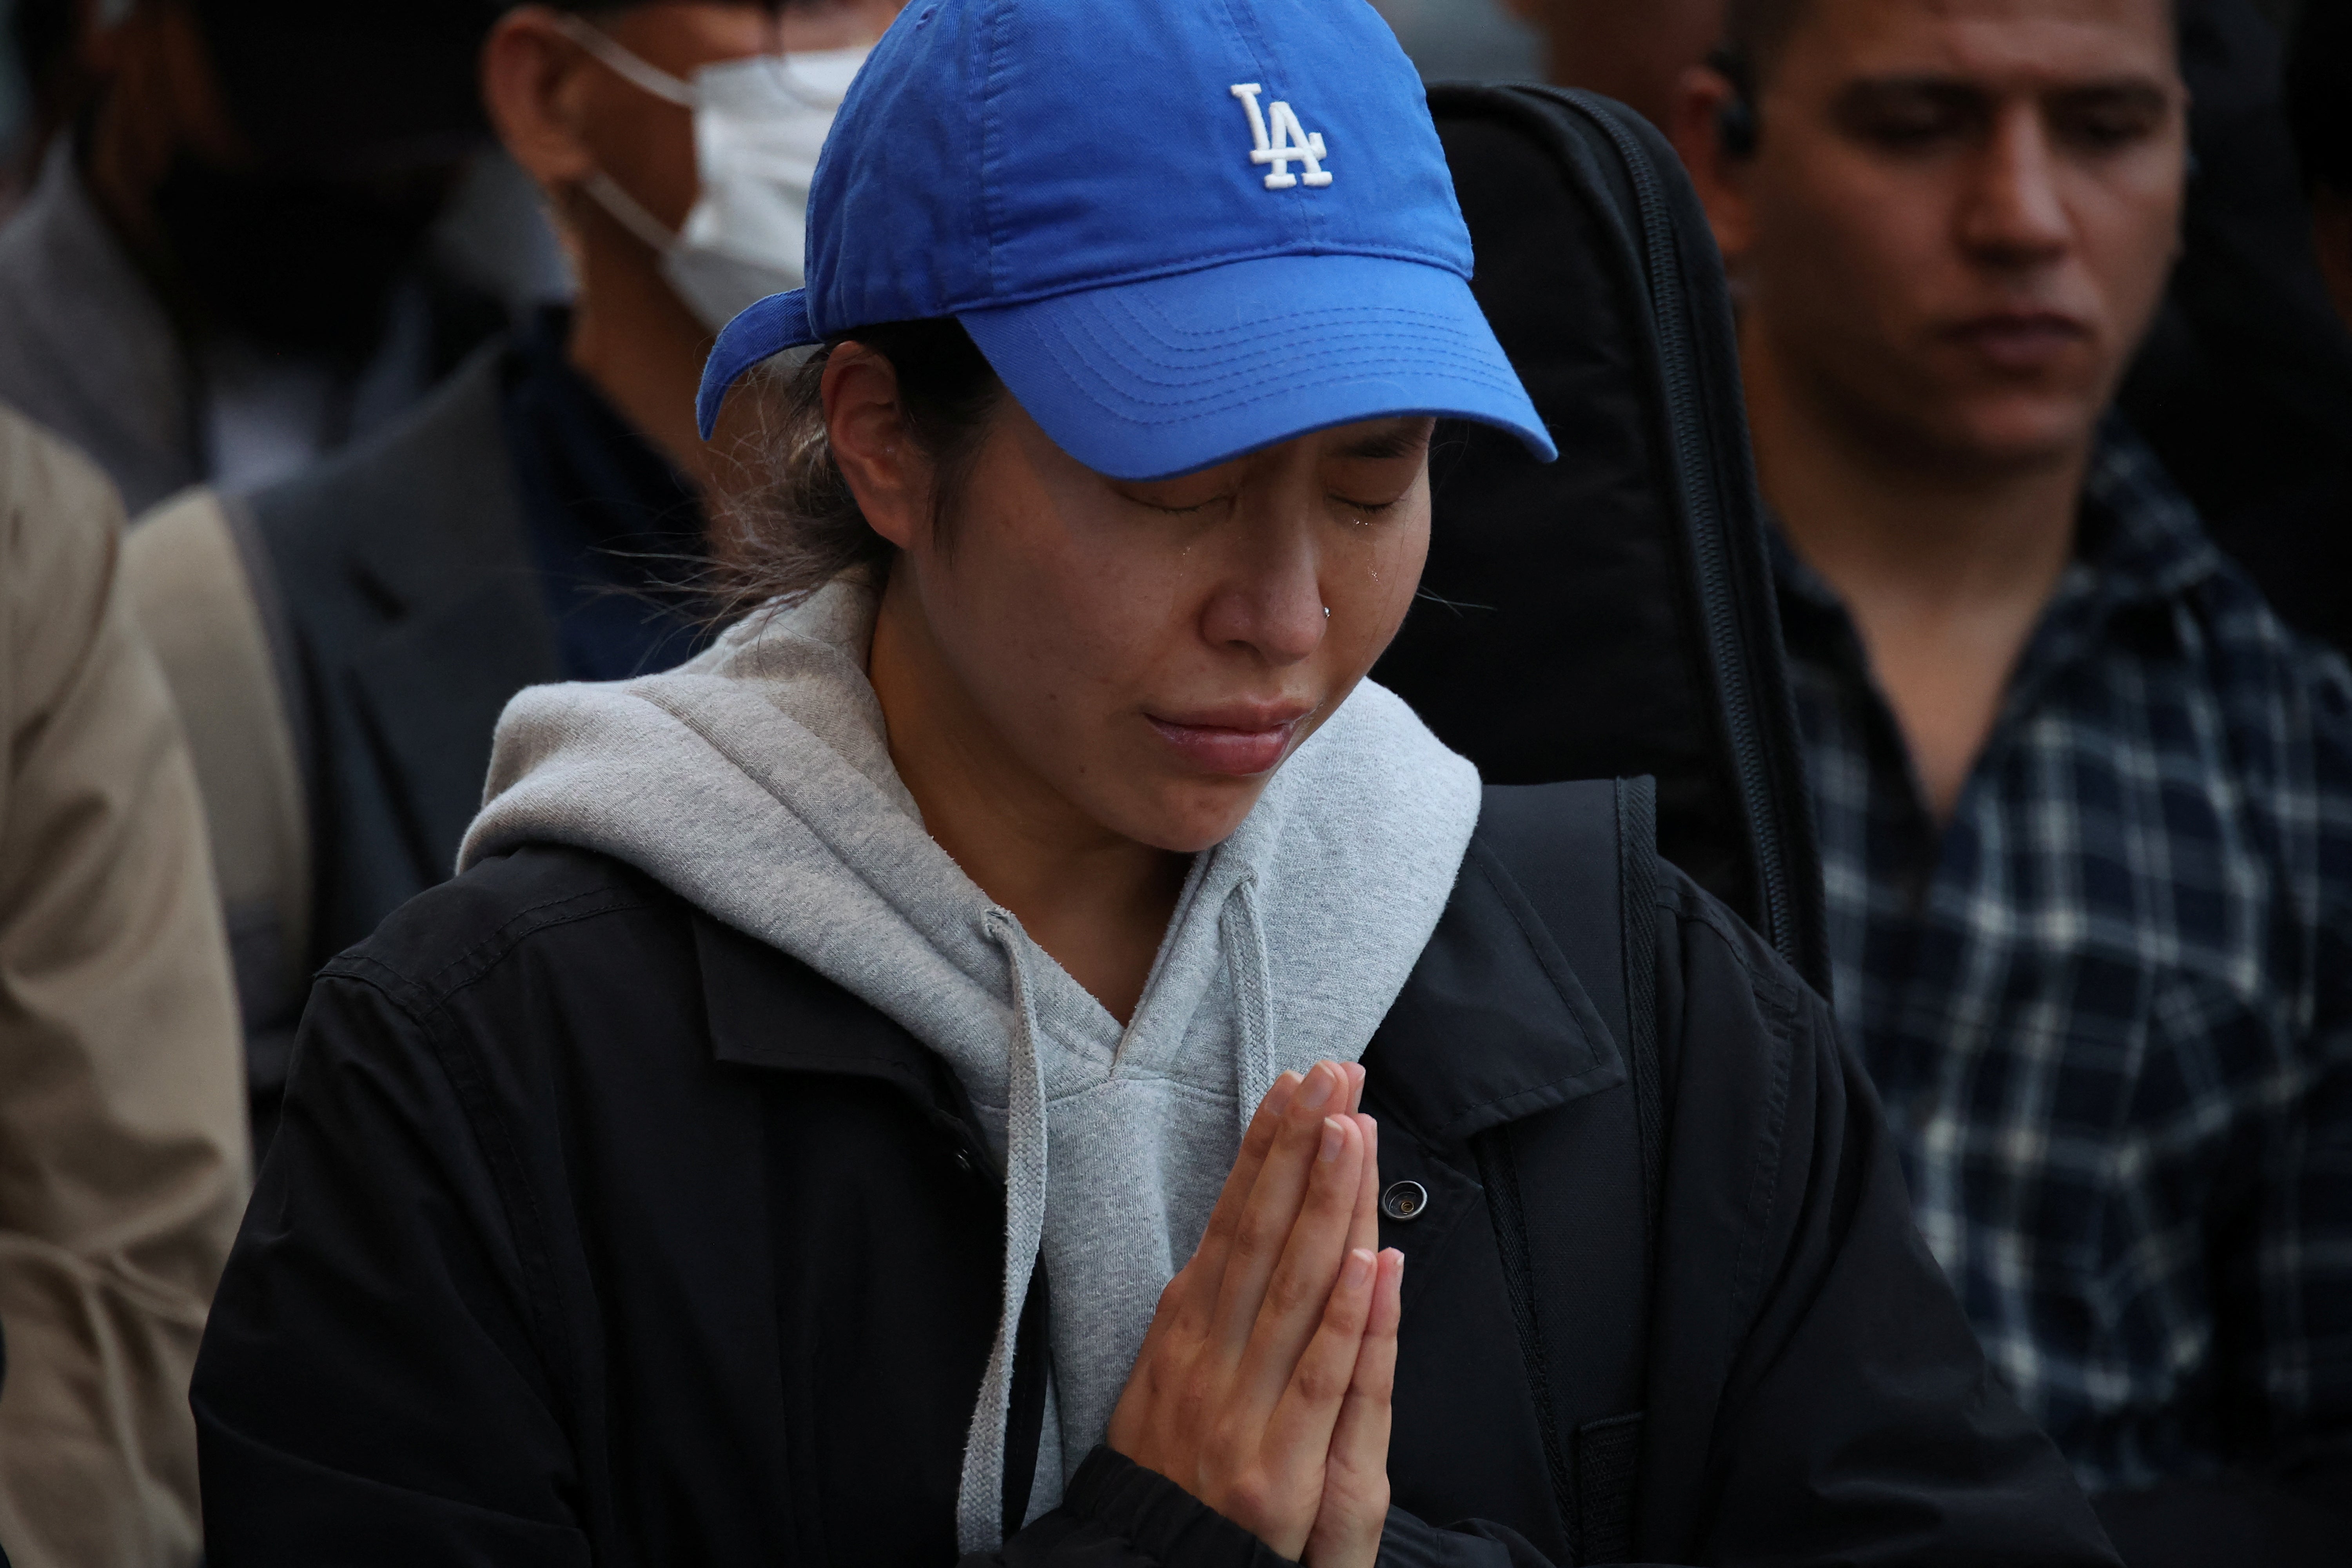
(646,144)
(1961,216)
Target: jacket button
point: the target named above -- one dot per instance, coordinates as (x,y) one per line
(963,1162)
(1404,1200)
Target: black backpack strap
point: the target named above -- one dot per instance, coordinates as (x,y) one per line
(1637,899)
(1585,858)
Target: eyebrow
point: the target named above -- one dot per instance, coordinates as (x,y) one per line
(2129,92)
(2135,92)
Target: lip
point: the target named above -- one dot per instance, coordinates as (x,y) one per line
(2021,339)
(1238,742)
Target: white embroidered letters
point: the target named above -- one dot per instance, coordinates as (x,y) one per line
(1283,144)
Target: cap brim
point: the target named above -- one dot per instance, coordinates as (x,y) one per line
(765,328)
(1144,380)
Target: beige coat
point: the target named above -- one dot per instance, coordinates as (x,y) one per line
(124,1163)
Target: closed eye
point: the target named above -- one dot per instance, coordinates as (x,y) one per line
(2110,116)
(1907,115)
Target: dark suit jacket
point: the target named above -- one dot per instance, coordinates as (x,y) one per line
(406,608)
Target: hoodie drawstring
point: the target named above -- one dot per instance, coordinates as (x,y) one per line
(1243,935)
(980,1497)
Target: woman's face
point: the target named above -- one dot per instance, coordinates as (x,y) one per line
(1152,652)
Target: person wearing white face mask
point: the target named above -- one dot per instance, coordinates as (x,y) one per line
(759,125)
(341,645)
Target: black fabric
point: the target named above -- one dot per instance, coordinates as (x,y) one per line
(1608,1467)
(2301,1521)
(617,531)
(1637,896)
(1115,1513)
(1612,615)
(596,1232)
(1582,885)
(1499,1175)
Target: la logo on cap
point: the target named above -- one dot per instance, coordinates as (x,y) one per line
(1290,143)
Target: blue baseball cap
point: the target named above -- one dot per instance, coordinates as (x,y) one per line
(1180,230)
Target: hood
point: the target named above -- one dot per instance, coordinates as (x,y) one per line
(756,783)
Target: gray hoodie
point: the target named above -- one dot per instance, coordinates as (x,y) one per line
(756,783)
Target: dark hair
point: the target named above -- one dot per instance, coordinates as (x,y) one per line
(1753,32)
(787,521)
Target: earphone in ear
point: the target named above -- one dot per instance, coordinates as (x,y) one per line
(1735,122)
(1734,126)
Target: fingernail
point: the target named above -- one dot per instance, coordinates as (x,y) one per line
(1317,1091)
(1359,1269)
(1335,1135)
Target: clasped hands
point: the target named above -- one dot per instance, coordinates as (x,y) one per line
(1262,1386)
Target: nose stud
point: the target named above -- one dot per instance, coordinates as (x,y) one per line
(1327,612)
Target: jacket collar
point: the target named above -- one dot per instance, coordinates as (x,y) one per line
(768,1010)
(2140,553)
(2146,545)
(1495,1025)
(1492,1026)
(444,520)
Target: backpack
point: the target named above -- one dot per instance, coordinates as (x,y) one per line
(1613,615)
(1609,618)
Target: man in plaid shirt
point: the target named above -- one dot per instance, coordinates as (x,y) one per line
(2086,805)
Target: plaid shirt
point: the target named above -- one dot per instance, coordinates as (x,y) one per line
(2109,1006)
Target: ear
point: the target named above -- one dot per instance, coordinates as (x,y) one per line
(532,82)
(1720,171)
(885,470)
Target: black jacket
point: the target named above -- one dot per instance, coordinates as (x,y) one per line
(597,1232)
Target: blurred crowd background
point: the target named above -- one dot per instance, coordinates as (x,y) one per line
(493,236)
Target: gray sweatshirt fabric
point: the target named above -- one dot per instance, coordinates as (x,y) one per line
(756,783)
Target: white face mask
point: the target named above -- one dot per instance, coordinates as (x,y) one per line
(759,125)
